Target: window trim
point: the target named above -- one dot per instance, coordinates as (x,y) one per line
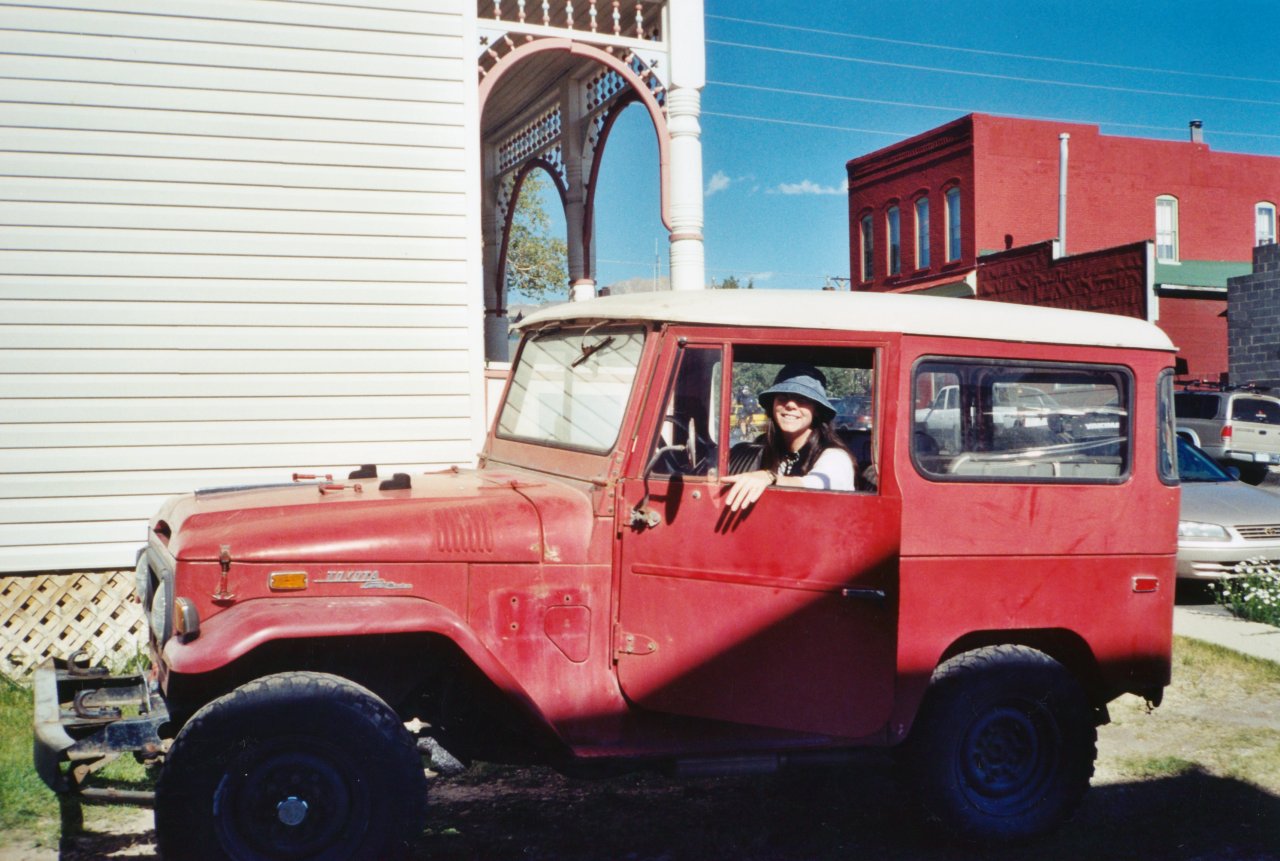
(1169,202)
(1257,208)
(866,226)
(954,209)
(923,256)
(1125,373)
(893,239)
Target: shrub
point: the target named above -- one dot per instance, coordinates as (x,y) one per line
(1252,592)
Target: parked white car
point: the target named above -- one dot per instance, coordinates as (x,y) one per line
(1223,520)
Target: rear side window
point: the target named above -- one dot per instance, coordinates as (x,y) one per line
(1255,410)
(1189,406)
(988,421)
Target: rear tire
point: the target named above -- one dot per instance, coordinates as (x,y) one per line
(291,766)
(1004,744)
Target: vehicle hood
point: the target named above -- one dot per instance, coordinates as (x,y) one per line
(467,515)
(1229,503)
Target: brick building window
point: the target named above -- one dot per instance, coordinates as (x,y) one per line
(893,222)
(1167,228)
(953,224)
(1264,219)
(868,249)
(922,233)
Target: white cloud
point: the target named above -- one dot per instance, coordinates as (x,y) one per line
(757,277)
(808,186)
(719,182)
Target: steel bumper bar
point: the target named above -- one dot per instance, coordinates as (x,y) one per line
(80,718)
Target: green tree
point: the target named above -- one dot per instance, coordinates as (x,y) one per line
(537,260)
(731,282)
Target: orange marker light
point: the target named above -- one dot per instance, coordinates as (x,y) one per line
(287,581)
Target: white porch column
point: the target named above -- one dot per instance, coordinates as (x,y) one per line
(496,344)
(684,105)
(573,134)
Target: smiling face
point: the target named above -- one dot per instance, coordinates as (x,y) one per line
(794,417)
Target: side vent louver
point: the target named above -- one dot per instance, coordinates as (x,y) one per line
(462,531)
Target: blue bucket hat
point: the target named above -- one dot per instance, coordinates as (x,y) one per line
(800,378)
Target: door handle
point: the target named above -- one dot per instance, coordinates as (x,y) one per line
(875,596)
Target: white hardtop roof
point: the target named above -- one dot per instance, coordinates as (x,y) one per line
(865,312)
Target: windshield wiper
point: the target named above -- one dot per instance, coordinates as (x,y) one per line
(589,350)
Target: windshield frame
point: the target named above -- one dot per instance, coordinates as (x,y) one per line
(576,350)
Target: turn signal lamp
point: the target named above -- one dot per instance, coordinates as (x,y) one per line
(186,620)
(287,581)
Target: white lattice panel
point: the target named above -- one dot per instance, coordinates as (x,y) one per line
(55,615)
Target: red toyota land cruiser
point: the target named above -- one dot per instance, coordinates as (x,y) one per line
(587,598)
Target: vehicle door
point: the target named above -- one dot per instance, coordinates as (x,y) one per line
(781,616)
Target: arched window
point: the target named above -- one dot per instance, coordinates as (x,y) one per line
(953,223)
(1264,220)
(893,222)
(868,249)
(1167,228)
(922,233)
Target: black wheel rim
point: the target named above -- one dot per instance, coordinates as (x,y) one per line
(1007,757)
(287,799)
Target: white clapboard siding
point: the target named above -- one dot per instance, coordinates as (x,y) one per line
(197,195)
(246,409)
(238,241)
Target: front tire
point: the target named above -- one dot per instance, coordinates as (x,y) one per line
(291,766)
(1004,745)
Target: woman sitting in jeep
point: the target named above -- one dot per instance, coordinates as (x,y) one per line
(800,446)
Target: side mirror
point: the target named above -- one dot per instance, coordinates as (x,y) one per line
(1234,472)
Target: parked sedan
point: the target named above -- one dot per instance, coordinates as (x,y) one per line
(1223,520)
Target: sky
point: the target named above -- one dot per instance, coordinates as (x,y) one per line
(796,90)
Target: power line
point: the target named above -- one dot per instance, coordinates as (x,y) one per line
(987,53)
(954,110)
(807,125)
(991,75)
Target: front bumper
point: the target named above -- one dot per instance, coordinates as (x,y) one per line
(1217,559)
(86,718)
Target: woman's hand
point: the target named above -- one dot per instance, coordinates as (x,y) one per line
(747,487)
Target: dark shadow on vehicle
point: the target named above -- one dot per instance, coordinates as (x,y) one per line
(1194,592)
(862,811)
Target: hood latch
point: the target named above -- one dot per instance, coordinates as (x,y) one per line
(222,596)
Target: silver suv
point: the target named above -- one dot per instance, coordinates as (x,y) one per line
(1236,427)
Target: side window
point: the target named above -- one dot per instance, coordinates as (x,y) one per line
(1021,422)
(893,227)
(868,249)
(1255,410)
(850,388)
(688,438)
(1167,457)
(954,224)
(1264,224)
(1167,228)
(1192,406)
(922,233)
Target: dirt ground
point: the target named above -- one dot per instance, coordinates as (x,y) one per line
(1160,792)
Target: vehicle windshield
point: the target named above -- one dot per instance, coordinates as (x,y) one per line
(1195,465)
(570,387)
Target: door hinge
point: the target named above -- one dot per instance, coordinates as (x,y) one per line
(627,643)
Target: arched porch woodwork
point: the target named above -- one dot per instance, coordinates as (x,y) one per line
(553,77)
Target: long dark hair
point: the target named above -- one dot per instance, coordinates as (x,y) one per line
(822,436)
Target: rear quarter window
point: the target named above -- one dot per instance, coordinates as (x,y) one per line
(1189,406)
(1255,410)
(1021,422)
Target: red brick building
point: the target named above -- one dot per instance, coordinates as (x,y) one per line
(964,209)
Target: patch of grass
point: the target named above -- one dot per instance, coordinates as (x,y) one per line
(1198,658)
(1155,766)
(24,799)
(26,804)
